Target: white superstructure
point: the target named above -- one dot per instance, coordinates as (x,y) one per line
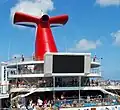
(29,78)
(24,78)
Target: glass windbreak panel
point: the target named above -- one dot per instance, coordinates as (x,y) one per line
(39,68)
(95,82)
(68,64)
(66,81)
(26,69)
(32,82)
(85,81)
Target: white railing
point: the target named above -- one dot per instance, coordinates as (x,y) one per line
(92,102)
(95,71)
(31,58)
(4,89)
(19,59)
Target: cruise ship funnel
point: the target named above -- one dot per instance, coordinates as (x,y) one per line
(44,38)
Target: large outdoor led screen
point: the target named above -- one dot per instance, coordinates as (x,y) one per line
(68,64)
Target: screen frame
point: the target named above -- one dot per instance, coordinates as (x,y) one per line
(48,64)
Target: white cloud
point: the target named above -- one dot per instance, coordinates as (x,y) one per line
(116,36)
(108,2)
(85,45)
(32,7)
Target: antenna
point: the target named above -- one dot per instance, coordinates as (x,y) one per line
(9,46)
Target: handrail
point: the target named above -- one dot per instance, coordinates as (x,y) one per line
(69,103)
(19,59)
(90,102)
(31,58)
(95,70)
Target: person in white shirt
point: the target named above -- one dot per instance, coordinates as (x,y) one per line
(39,102)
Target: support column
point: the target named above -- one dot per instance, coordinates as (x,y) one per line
(0,103)
(17,72)
(79,87)
(11,102)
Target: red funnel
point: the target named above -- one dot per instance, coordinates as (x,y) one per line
(44,38)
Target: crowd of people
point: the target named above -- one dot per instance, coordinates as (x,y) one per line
(39,104)
(110,83)
(62,102)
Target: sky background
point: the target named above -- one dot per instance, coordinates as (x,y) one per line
(93,26)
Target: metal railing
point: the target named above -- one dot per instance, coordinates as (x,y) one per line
(87,102)
(32,85)
(69,103)
(18,59)
(4,89)
(25,71)
(28,71)
(95,71)
(50,84)
(31,58)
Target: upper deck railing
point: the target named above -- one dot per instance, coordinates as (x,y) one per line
(95,71)
(31,58)
(22,71)
(19,59)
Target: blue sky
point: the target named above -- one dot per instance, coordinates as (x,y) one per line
(93,26)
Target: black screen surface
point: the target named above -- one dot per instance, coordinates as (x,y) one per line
(68,64)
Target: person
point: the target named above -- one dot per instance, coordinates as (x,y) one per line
(34,107)
(39,102)
(116,108)
(45,103)
(22,58)
(18,82)
(62,97)
(33,56)
(94,58)
(30,104)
